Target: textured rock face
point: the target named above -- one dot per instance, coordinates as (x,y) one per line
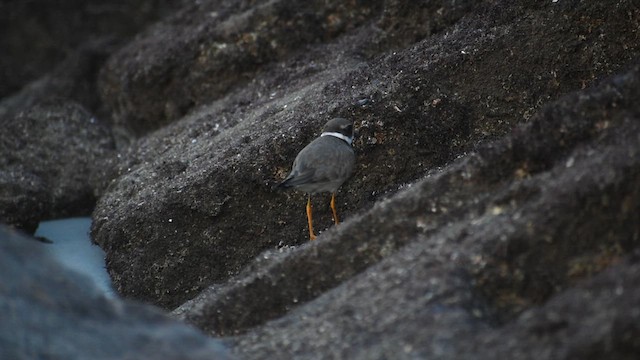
(73,80)
(429,311)
(50,312)
(211,47)
(478,243)
(522,218)
(493,211)
(36,35)
(52,164)
(195,197)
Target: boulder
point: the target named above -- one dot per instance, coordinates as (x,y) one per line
(49,311)
(194,197)
(492,212)
(430,311)
(73,80)
(211,47)
(494,233)
(53,163)
(35,36)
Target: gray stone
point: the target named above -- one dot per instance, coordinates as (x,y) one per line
(53,163)
(493,211)
(51,312)
(194,197)
(466,248)
(428,310)
(211,47)
(73,80)
(35,36)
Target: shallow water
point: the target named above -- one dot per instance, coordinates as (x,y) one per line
(72,246)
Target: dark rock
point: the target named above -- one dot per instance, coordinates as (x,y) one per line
(51,312)
(194,198)
(36,35)
(472,245)
(74,79)
(53,164)
(427,311)
(25,198)
(597,319)
(210,47)
(493,212)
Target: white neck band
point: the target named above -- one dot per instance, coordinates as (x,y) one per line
(347,139)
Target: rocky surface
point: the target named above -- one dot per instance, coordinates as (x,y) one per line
(51,312)
(209,48)
(430,312)
(195,197)
(55,146)
(36,35)
(73,79)
(493,212)
(53,163)
(478,243)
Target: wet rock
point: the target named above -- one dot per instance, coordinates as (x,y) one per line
(194,197)
(49,311)
(53,164)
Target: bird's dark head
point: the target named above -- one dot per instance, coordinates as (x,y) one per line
(340,126)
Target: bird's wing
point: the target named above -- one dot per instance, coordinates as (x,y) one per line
(298,178)
(319,163)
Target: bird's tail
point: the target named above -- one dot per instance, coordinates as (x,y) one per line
(282,185)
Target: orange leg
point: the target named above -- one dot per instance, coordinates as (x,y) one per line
(333,208)
(312,236)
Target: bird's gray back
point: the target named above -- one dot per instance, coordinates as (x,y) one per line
(322,166)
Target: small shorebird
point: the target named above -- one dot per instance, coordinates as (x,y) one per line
(323,165)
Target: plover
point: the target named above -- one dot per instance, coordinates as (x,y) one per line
(324,165)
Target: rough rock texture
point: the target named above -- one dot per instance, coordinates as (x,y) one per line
(497,232)
(210,47)
(518,55)
(74,79)
(597,319)
(530,212)
(493,212)
(36,35)
(194,198)
(51,312)
(50,53)
(429,312)
(52,164)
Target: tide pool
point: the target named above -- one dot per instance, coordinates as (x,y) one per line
(72,246)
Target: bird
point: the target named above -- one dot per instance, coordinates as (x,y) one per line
(323,165)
